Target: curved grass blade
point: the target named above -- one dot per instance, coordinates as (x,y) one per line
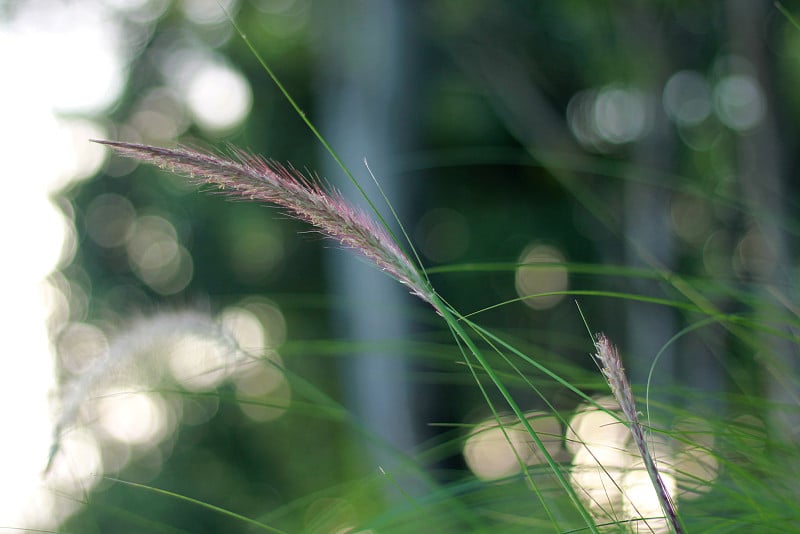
(200,503)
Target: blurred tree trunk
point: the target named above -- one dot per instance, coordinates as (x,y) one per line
(364,84)
(761,169)
(649,239)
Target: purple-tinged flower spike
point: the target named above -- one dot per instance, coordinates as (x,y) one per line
(250,177)
(614,372)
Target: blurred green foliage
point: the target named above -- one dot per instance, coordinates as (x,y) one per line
(491,139)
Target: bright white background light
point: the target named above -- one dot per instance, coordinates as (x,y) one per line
(54,58)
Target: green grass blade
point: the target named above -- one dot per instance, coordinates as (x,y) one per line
(200,503)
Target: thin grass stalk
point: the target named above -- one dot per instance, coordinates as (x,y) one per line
(501,426)
(617,379)
(203,504)
(455,325)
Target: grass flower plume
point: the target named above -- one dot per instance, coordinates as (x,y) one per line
(614,372)
(253,178)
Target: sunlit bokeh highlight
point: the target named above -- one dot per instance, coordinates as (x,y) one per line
(217,95)
(270,317)
(609,473)
(123,389)
(261,386)
(160,116)
(687,98)
(600,119)
(245,328)
(602,462)
(739,100)
(79,346)
(154,252)
(110,220)
(642,505)
(496,451)
(156,256)
(142,11)
(532,280)
(620,114)
(200,364)
(262,390)
(207,11)
(132,414)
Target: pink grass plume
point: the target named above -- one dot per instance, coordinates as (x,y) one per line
(249,177)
